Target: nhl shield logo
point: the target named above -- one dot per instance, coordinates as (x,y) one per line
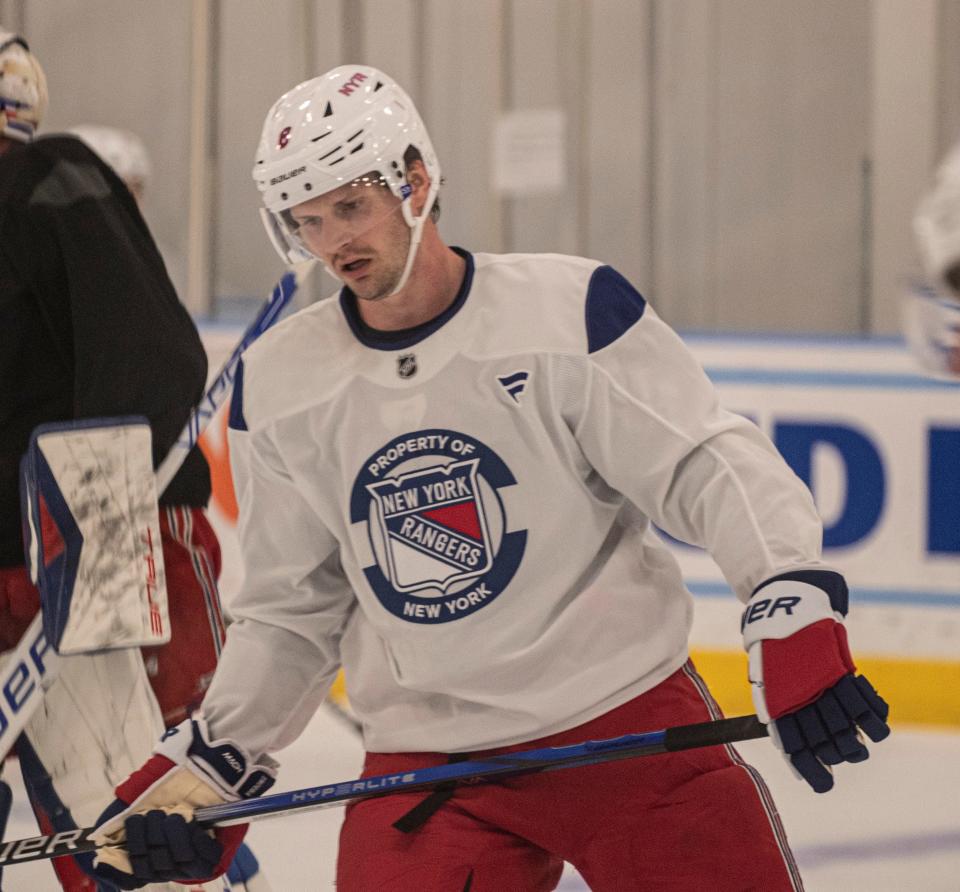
(406,365)
(433,526)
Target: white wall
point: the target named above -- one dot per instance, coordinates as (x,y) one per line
(750,164)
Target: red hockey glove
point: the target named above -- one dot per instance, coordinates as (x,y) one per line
(149,827)
(802,674)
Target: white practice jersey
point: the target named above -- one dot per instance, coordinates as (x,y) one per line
(461,516)
(936,223)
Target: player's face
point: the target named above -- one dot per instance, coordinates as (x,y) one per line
(359,233)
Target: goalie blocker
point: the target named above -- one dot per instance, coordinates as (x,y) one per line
(92,534)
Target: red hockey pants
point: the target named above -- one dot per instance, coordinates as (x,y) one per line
(695,820)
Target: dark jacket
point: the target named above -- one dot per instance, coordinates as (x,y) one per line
(90,324)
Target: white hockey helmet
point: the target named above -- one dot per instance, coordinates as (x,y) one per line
(23,89)
(332,130)
(122,149)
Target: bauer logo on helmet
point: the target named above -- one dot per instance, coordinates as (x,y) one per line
(289,175)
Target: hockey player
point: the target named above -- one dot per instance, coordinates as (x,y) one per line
(94,328)
(127,154)
(932,308)
(447,479)
(123,150)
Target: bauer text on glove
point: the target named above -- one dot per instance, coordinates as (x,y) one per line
(802,676)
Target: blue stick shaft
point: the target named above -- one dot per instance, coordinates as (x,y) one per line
(219,389)
(590,752)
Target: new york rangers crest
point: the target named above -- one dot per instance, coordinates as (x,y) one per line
(441,543)
(433,526)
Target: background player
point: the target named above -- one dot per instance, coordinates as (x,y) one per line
(932,309)
(129,157)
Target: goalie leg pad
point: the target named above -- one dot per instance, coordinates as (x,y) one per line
(98,722)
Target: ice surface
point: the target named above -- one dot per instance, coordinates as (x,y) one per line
(890,824)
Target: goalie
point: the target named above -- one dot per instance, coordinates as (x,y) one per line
(93,328)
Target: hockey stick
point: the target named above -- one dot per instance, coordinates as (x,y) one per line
(6,803)
(219,389)
(34,663)
(590,752)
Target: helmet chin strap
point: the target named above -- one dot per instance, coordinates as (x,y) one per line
(416,225)
(415,235)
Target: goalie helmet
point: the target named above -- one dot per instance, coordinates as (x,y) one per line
(123,150)
(23,89)
(330,131)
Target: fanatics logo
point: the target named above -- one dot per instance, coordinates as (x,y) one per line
(406,365)
(514,384)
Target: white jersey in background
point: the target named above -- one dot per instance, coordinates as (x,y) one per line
(461,515)
(931,308)
(936,223)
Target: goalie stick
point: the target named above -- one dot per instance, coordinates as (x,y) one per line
(31,667)
(590,752)
(219,389)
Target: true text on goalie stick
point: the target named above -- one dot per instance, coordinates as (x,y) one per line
(33,664)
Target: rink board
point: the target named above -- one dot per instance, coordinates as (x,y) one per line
(878,444)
